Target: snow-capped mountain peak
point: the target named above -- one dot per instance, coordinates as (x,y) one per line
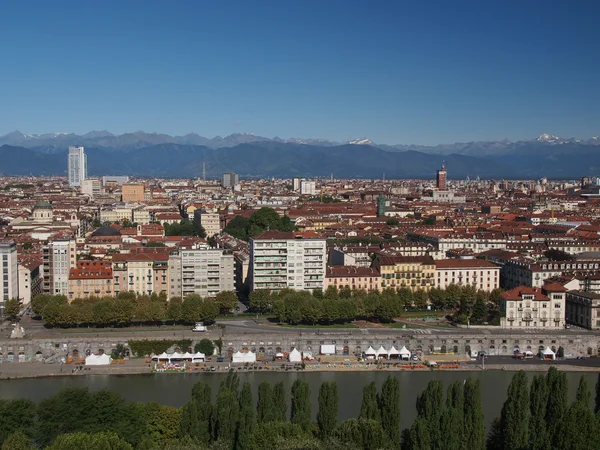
(548,138)
(361,141)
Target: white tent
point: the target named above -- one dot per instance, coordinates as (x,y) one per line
(295,356)
(176,356)
(393,353)
(187,355)
(370,353)
(549,354)
(249,357)
(163,355)
(97,360)
(382,353)
(237,357)
(196,357)
(404,353)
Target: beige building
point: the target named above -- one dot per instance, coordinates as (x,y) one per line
(59,257)
(90,278)
(116,213)
(206,272)
(583,309)
(482,275)
(142,272)
(211,222)
(30,279)
(532,307)
(359,278)
(133,192)
(412,272)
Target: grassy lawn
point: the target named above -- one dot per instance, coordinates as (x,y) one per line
(420,314)
(415,326)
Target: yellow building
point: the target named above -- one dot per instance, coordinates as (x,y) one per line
(90,278)
(352,277)
(412,272)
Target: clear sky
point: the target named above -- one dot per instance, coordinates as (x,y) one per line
(411,72)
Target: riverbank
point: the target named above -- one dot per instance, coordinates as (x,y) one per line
(139,366)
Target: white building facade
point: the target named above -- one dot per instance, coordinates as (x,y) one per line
(59,256)
(287,260)
(10,272)
(206,272)
(527,307)
(77,166)
(480,274)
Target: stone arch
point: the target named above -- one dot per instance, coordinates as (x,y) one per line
(346,350)
(88,351)
(443,349)
(38,356)
(244,349)
(230,352)
(358,350)
(504,350)
(277,349)
(590,351)
(101,351)
(261,351)
(75,354)
(270,351)
(529,347)
(468,349)
(455,349)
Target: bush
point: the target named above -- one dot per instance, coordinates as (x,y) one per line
(146,347)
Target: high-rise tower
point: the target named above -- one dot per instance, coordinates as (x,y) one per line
(77,166)
(441,179)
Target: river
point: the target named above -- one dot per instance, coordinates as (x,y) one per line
(175,389)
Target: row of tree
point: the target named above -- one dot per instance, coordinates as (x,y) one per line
(345,305)
(262,220)
(128,309)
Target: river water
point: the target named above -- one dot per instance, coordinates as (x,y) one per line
(175,389)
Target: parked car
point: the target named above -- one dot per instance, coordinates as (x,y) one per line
(199,327)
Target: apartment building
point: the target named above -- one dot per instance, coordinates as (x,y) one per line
(287,260)
(10,272)
(351,277)
(59,257)
(583,309)
(90,278)
(534,307)
(30,278)
(478,273)
(133,192)
(211,222)
(308,187)
(92,187)
(526,272)
(206,272)
(77,166)
(412,272)
(445,240)
(353,255)
(141,272)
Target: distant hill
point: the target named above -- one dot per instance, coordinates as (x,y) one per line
(280,159)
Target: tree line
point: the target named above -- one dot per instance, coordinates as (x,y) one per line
(260,221)
(129,309)
(535,416)
(345,305)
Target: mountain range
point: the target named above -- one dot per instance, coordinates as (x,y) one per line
(272,158)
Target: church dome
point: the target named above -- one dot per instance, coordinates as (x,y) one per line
(106,231)
(43,204)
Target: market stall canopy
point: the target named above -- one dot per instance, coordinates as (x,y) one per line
(370,351)
(97,360)
(295,356)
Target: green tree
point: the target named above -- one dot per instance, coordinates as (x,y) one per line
(430,407)
(17,441)
(264,219)
(369,410)
(392,222)
(226,301)
(279,402)
(388,401)
(174,309)
(515,414)
(597,398)
(474,429)
(260,300)
(98,441)
(557,403)
(196,414)
(419,436)
(579,428)
(265,406)
(247,420)
(226,412)
(479,313)
(12,307)
(205,346)
(16,415)
(238,228)
(300,406)
(453,423)
(495,439)
(539,439)
(328,409)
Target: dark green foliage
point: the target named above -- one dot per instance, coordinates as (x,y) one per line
(147,347)
(12,307)
(279,402)
(419,436)
(495,440)
(474,429)
(265,406)
(515,414)
(557,403)
(260,300)
(185,228)
(260,221)
(226,411)
(579,428)
(328,409)
(301,408)
(226,301)
(597,397)
(16,415)
(17,441)
(369,410)
(205,346)
(388,402)
(362,433)
(196,414)
(97,441)
(247,419)
(430,407)
(538,438)
(280,436)
(452,421)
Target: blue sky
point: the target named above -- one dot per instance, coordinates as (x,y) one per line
(394,71)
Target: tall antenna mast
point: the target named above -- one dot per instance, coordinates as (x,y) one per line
(203,171)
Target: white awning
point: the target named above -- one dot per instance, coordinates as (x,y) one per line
(370,351)
(404,351)
(393,351)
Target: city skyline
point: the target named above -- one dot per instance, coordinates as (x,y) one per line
(397,74)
